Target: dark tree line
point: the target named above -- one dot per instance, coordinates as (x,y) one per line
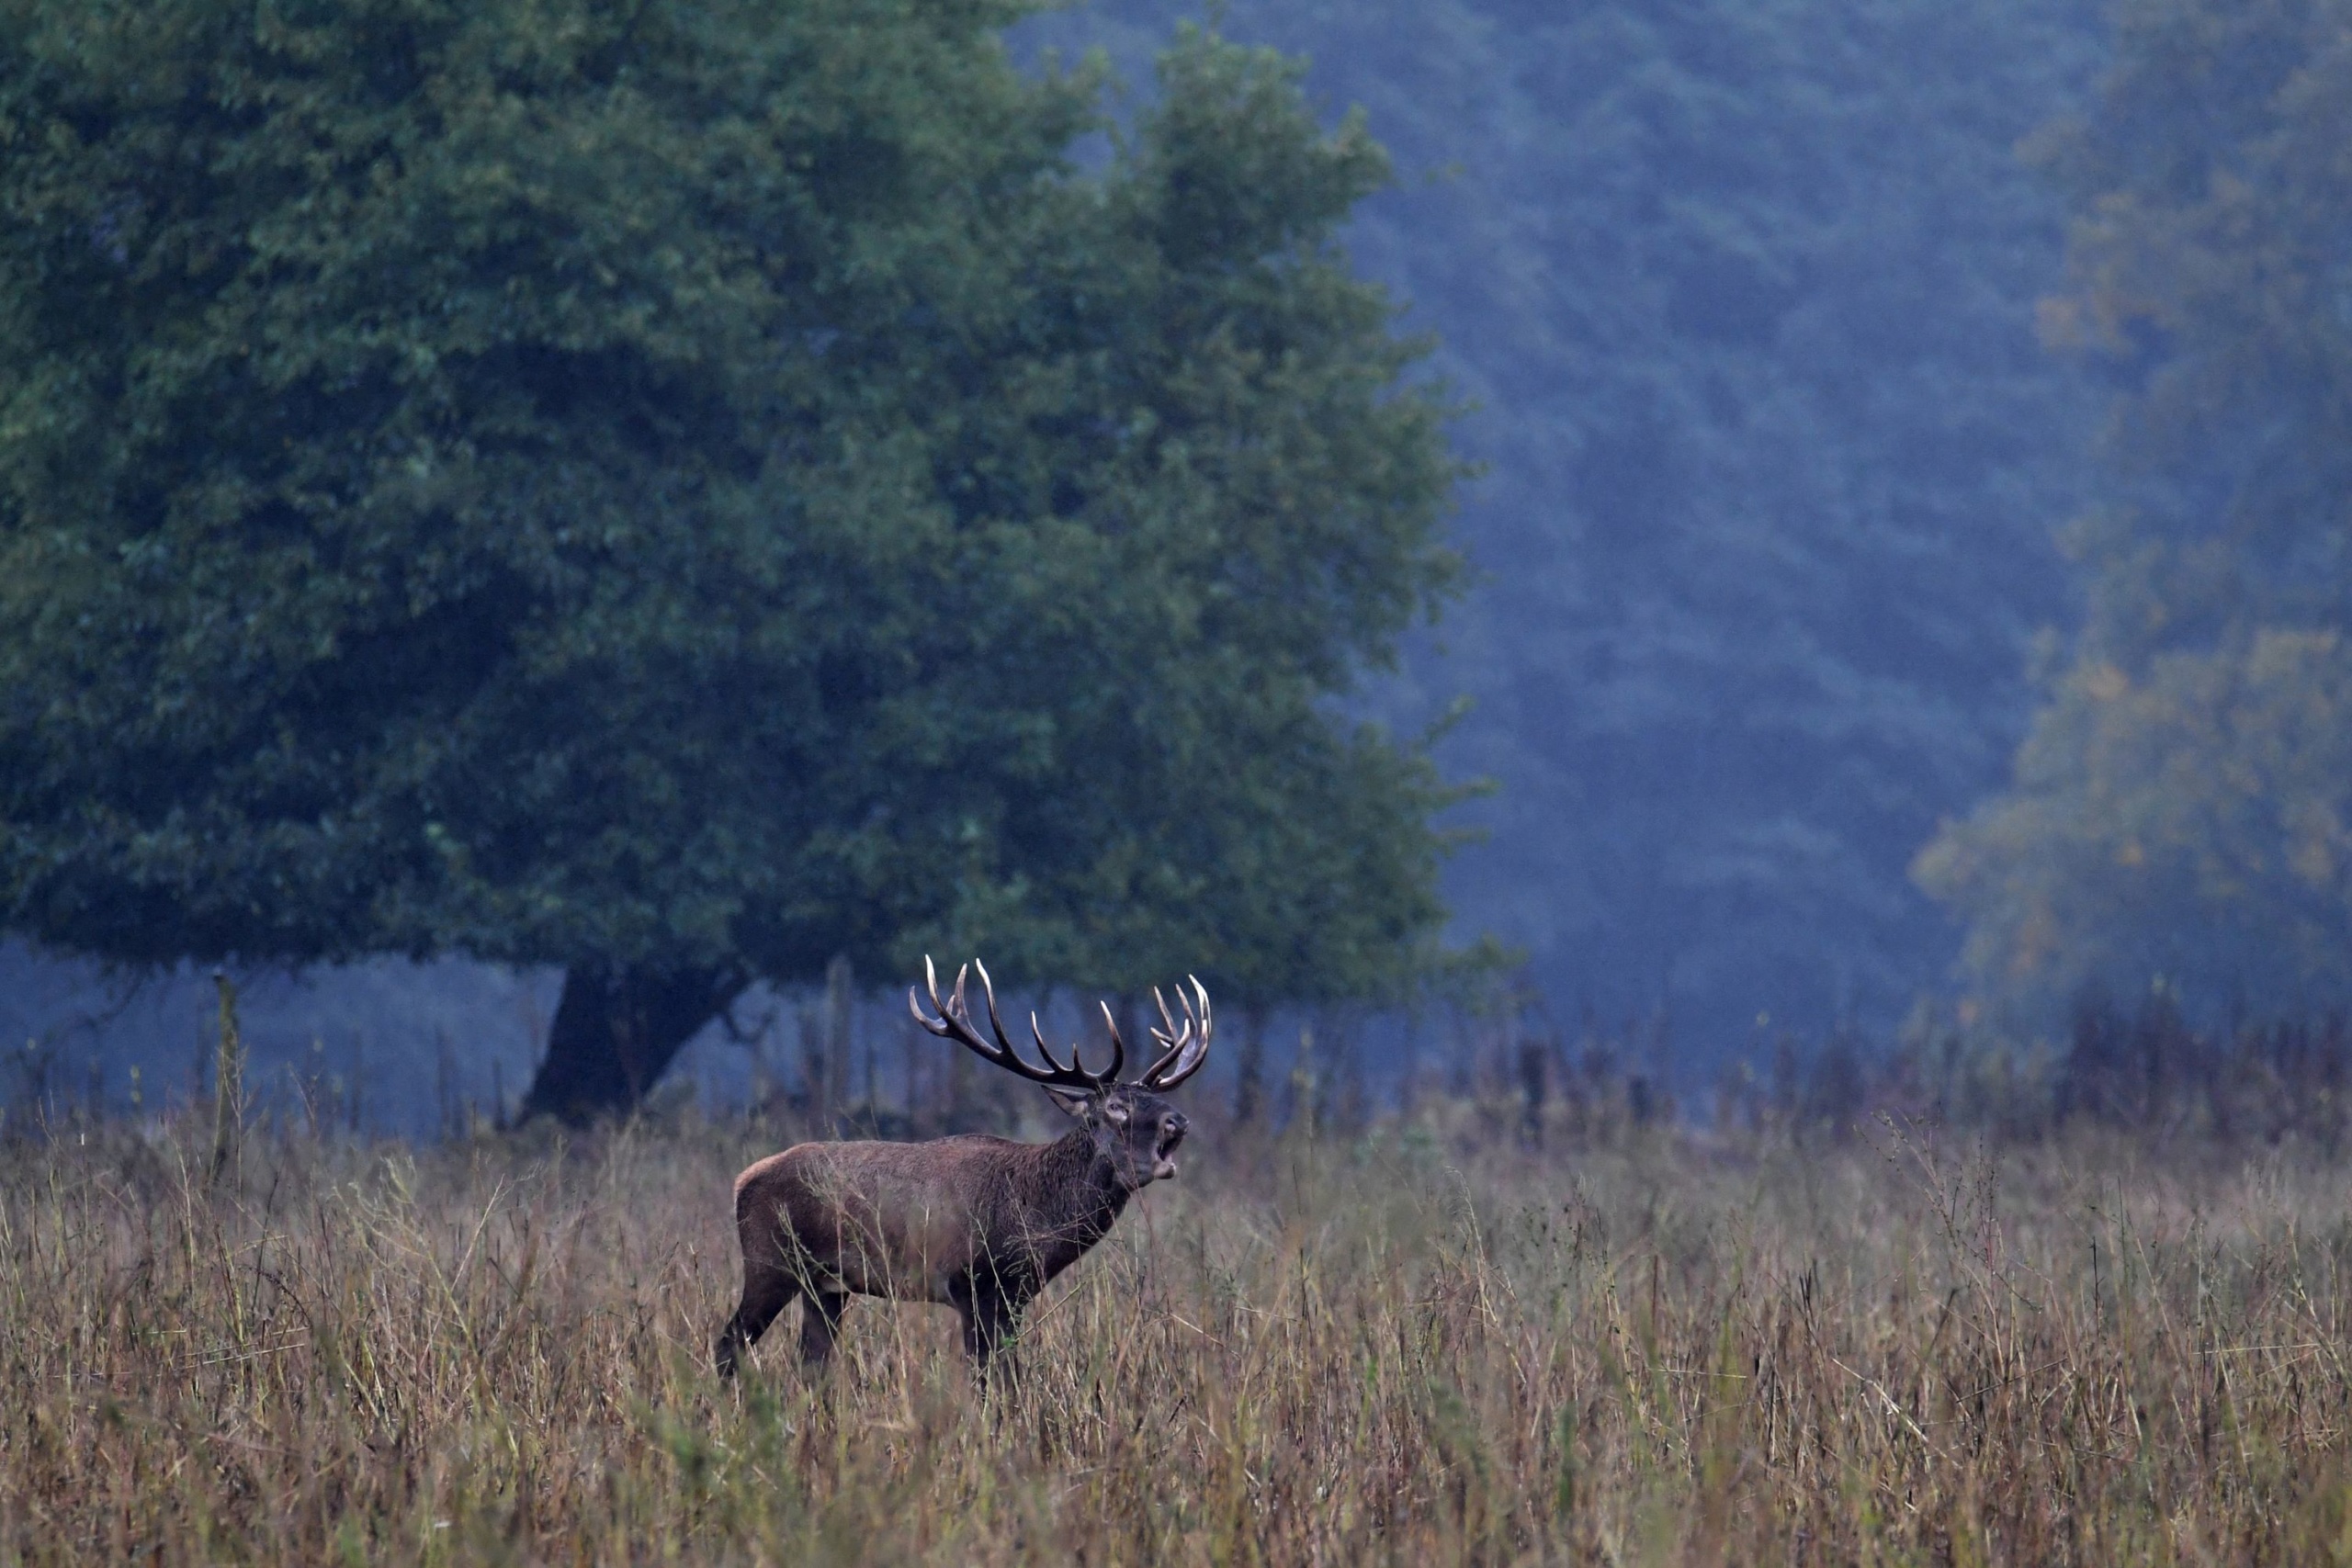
(2182,810)
(1744,296)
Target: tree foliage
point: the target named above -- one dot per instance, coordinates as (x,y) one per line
(2192,821)
(1744,292)
(689,491)
(2180,810)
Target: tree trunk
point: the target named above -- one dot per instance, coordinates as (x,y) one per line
(1250,1075)
(615,1030)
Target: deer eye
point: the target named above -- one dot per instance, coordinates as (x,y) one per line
(1115,1114)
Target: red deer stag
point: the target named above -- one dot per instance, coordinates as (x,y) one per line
(974,1223)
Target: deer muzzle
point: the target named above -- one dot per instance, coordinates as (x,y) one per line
(1171,1134)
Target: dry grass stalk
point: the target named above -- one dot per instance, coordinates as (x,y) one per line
(1401,1349)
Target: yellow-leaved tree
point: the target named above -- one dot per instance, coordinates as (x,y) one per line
(2180,808)
(2191,821)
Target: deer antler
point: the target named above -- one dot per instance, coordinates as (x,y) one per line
(952,1020)
(1185,1048)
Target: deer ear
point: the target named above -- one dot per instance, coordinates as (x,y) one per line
(1075,1104)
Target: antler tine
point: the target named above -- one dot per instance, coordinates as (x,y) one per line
(952,1020)
(930,979)
(988,990)
(1053,1063)
(1045,1050)
(1168,1036)
(1118,1046)
(1188,1047)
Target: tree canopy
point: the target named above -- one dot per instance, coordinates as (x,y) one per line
(1744,295)
(2181,811)
(685,491)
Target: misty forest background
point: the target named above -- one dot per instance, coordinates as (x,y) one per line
(1906,543)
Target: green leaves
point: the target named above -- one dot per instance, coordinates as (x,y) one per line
(700,486)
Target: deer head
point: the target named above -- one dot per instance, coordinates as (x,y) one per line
(1131,1124)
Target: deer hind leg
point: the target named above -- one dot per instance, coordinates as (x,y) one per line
(767,1290)
(820,1319)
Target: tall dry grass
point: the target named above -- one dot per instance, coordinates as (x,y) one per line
(1410,1346)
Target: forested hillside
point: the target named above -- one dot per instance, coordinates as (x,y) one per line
(1748,312)
(2182,811)
(1744,296)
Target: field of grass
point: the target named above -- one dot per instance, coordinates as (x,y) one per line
(1424,1343)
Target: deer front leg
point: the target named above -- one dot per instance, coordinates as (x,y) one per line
(991,1315)
(820,1319)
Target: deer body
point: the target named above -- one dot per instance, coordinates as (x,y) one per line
(976,1223)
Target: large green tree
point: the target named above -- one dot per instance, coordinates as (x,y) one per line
(2183,808)
(684,491)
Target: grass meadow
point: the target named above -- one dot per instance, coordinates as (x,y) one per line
(1435,1340)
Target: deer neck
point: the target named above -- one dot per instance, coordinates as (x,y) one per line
(1075,1191)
